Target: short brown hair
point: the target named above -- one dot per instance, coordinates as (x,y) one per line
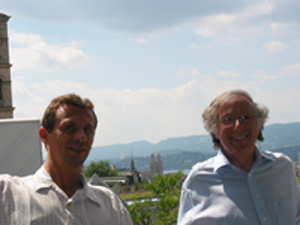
(48,121)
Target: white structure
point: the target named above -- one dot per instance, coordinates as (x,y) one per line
(20,148)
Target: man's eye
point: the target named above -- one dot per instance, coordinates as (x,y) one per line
(70,128)
(228,120)
(88,130)
(246,118)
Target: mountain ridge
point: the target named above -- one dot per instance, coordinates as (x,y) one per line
(277,136)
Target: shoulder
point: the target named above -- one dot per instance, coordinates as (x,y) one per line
(276,161)
(100,190)
(104,195)
(6,179)
(199,170)
(16,183)
(206,165)
(10,185)
(113,204)
(276,157)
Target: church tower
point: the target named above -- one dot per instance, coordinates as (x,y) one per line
(6,109)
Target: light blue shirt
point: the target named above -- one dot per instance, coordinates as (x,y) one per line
(218,193)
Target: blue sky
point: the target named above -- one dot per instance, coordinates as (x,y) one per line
(152,67)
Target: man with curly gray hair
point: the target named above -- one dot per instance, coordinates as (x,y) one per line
(241,184)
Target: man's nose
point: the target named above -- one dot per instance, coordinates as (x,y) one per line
(80,135)
(237,122)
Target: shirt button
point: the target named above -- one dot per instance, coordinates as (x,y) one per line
(257,196)
(69,202)
(264,219)
(250,175)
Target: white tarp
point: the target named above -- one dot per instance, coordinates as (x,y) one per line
(20,146)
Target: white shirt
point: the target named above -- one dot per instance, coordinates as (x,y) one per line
(36,199)
(218,193)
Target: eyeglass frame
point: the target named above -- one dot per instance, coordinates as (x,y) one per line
(243,119)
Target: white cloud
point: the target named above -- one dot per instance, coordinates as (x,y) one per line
(228,74)
(146,114)
(236,22)
(193,45)
(275,46)
(142,40)
(266,77)
(286,29)
(28,104)
(214,23)
(230,40)
(124,115)
(193,72)
(291,70)
(30,51)
(201,47)
(149,113)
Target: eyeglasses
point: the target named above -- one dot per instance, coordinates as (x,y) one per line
(243,119)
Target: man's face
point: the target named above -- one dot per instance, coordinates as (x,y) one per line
(70,141)
(238,138)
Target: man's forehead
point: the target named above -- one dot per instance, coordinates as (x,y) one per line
(69,113)
(242,101)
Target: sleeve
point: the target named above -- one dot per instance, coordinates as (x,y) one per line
(298,205)
(184,207)
(125,218)
(120,210)
(3,200)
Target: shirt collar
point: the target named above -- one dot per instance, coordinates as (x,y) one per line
(221,160)
(89,192)
(44,180)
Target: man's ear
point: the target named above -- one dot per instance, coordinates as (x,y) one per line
(43,135)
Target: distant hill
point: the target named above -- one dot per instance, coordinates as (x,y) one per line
(185,160)
(177,161)
(281,136)
(277,136)
(197,143)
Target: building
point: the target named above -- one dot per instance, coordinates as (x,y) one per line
(156,167)
(20,149)
(6,108)
(133,176)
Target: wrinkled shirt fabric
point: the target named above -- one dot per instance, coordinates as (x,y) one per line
(36,199)
(218,193)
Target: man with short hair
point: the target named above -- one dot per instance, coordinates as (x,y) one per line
(58,192)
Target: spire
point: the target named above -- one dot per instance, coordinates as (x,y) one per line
(132,166)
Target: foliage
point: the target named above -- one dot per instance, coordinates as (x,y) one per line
(101,168)
(140,211)
(166,190)
(136,195)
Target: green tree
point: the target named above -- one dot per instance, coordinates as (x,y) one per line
(167,190)
(101,168)
(140,211)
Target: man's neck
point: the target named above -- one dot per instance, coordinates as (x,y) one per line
(244,162)
(68,179)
